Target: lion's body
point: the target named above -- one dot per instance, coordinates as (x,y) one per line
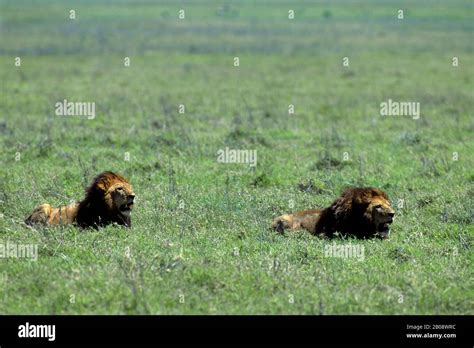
(360,212)
(109,199)
(306,219)
(54,216)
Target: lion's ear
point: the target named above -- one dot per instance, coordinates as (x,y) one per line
(101,186)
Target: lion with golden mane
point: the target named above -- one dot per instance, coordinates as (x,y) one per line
(361,212)
(109,199)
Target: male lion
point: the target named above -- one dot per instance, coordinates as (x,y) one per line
(108,199)
(360,212)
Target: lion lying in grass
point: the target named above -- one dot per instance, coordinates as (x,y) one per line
(109,199)
(360,212)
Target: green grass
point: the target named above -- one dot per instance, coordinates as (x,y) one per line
(200,241)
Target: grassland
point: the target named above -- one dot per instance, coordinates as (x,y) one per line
(200,242)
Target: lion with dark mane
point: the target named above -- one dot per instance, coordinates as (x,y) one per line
(361,212)
(109,199)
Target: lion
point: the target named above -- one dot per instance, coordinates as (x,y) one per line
(363,212)
(109,199)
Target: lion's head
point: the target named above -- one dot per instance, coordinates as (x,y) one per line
(120,197)
(381,213)
(109,199)
(362,212)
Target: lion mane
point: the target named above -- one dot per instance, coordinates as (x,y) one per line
(362,212)
(109,199)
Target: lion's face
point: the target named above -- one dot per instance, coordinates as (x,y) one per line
(363,212)
(376,209)
(121,197)
(382,215)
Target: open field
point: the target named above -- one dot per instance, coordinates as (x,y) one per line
(200,242)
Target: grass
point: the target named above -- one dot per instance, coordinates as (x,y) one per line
(200,242)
